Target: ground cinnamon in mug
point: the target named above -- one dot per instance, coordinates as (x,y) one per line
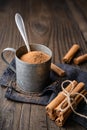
(35,57)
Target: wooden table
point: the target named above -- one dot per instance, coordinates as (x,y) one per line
(57,24)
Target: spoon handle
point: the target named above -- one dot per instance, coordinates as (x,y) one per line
(21,27)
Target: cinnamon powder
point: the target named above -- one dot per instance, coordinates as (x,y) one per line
(35,57)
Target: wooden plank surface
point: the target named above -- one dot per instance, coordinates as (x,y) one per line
(55,24)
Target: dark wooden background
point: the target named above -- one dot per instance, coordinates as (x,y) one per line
(57,24)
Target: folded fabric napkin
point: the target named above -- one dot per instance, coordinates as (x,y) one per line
(54,87)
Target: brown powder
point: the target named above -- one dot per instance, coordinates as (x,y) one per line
(35,57)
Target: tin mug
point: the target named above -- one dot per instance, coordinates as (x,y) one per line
(30,77)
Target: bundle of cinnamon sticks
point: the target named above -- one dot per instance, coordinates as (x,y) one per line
(59,109)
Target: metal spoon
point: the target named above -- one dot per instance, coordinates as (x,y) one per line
(20,24)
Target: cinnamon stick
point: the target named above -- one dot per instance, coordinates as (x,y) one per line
(70,54)
(80,59)
(57,70)
(57,100)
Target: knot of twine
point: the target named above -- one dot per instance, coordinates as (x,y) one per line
(70,99)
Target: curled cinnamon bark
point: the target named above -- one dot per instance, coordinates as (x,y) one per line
(70,54)
(80,59)
(57,70)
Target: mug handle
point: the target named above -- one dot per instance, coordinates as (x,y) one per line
(3,58)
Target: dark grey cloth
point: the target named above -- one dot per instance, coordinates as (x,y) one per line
(74,73)
(50,91)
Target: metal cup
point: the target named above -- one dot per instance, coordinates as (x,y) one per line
(30,77)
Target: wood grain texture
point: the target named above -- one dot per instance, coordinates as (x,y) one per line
(57,24)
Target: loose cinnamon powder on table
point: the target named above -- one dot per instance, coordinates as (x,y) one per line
(35,57)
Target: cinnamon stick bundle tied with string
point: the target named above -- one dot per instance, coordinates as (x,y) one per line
(80,59)
(57,100)
(70,54)
(65,103)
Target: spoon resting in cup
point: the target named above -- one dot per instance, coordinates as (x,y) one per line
(20,24)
